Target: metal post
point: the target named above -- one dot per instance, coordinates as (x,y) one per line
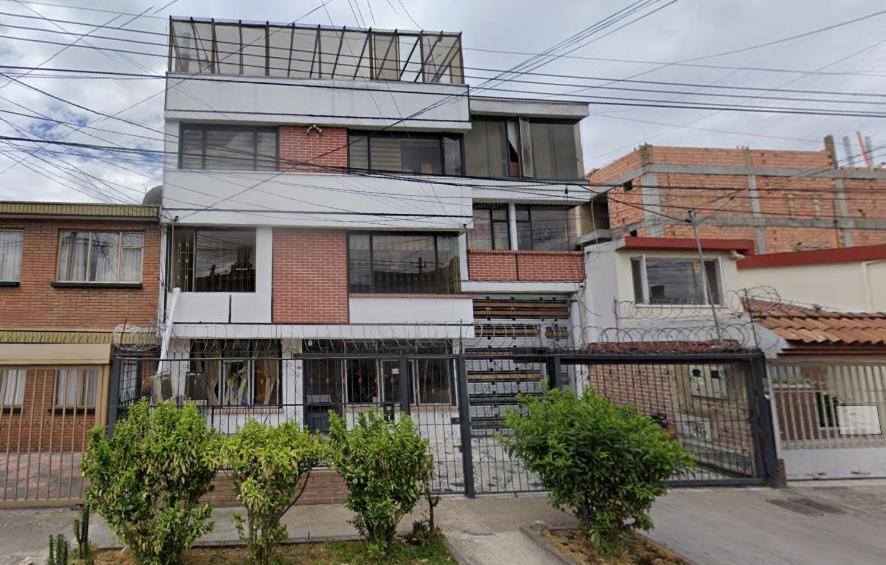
(404,385)
(554,376)
(704,276)
(114,394)
(464,419)
(766,456)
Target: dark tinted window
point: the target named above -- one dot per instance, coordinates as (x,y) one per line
(403,263)
(553,150)
(491,230)
(214,260)
(544,228)
(231,148)
(404,153)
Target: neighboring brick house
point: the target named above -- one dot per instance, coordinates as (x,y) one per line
(783,200)
(69,275)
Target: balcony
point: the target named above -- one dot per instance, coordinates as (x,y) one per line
(261,49)
(489,265)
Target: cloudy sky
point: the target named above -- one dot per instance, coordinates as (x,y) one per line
(849,59)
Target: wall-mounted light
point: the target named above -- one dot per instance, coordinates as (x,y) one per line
(314,128)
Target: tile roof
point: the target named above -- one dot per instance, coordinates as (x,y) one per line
(807,325)
(85,209)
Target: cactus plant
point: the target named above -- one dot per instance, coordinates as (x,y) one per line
(58,550)
(81,534)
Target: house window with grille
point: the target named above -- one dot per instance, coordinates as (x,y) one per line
(76,388)
(214,260)
(235,372)
(12,388)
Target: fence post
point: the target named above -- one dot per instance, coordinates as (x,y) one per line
(464,419)
(403,378)
(114,393)
(554,375)
(761,413)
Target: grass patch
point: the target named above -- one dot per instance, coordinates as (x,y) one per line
(433,552)
(640,551)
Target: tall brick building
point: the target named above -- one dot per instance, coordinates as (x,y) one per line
(782,200)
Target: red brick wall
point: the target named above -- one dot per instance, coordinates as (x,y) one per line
(536,266)
(324,487)
(37,304)
(36,426)
(328,149)
(310,276)
(727,196)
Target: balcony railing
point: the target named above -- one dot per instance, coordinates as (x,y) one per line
(201,46)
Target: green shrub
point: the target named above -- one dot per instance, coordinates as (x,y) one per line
(385,465)
(269,468)
(147,479)
(605,463)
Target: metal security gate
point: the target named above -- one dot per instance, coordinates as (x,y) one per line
(831,418)
(713,404)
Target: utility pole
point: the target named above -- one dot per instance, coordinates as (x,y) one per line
(704,275)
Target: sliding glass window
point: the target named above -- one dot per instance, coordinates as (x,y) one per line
(428,154)
(553,150)
(546,228)
(403,263)
(228,148)
(492,148)
(491,230)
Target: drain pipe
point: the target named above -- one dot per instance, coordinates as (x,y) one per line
(167,331)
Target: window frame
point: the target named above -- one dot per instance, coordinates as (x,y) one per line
(250,358)
(218,127)
(570,229)
(644,282)
(21,253)
(575,144)
(490,208)
(368,136)
(63,282)
(81,403)
(175,259)
(129,394)
(12,375)
(371,234)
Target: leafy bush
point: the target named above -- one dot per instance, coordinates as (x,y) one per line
(605,463)
(385,465)
(269,468)
(147,480)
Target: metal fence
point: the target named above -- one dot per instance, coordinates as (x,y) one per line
(714,404)
(829,404)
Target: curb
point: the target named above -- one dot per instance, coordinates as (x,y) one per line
(535,535)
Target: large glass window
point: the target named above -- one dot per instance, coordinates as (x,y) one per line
(511,147)
(492,148)
(232,148)
(214,260)
(674,281)
(403,263)
(104,257)
(405,153)
(491,229)
(235,372)
(10,255)
(553,150)
(544,228)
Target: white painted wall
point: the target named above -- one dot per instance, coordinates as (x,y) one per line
(348,103)
(858,286)
(271,198)
(383,310)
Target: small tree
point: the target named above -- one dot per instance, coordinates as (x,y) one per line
(146,481)
(384,463)
(269,467)
(606,463)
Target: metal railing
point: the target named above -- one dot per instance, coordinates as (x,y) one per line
(201,46)
(829,404)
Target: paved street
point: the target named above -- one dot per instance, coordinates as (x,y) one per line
(825,523)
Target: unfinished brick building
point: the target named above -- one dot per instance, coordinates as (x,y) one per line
(782,200)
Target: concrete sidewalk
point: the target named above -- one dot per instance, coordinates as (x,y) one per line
(823,523)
